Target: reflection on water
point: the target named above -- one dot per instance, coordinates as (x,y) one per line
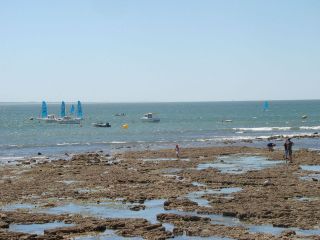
(315,168)
(36,228)
(237,164)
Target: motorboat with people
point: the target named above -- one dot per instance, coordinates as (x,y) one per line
(149,117)
(64,119)
(100,124)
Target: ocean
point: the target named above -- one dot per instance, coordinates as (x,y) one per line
(198,124)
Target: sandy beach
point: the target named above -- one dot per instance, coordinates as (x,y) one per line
(233,192)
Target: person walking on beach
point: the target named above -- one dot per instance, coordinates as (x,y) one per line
(288,149)
(290,144)
(177,151)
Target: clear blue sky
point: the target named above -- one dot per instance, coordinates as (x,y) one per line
(159,50)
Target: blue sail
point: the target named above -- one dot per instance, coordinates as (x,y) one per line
(44,110)
(63,109)
(266,106)
(79,111)
(72,109)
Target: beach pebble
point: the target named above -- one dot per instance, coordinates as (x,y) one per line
(49,205)
(4,224)
(267,183)
(137,207)
(288,233)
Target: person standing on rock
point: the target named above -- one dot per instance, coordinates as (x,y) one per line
(177,151)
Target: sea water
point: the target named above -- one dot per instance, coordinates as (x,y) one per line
(188,124)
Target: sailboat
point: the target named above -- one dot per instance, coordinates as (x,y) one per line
(79,111)
(67,119)
(63,110)
(44,114)
(72,109)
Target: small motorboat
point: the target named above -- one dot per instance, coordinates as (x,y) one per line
(148,117)
(228,121)
(304,117)
(120,114)
(100,124)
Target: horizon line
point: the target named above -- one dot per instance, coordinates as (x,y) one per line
(124,102)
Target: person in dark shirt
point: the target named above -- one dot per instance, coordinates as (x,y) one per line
(271,146)
(177,151)
(290,144)
(288,149)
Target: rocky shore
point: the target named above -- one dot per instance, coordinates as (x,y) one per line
(153,195)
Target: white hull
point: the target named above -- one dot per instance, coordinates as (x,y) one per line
(69,120)
(72,121)
(48,120)
(150,119)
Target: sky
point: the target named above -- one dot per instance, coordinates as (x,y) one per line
(159,50)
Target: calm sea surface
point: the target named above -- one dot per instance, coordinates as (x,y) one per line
(189,124)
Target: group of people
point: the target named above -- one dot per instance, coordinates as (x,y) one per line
(287,149)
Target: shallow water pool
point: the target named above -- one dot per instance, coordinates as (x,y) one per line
(314,168)
(238,164)
(37,228)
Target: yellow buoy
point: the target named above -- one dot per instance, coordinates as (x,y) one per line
(125,126)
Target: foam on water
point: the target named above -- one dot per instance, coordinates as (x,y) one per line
(263,129)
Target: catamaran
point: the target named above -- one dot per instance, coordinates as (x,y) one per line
(68,119)
(51,118)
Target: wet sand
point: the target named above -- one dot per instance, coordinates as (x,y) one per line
(167,197)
